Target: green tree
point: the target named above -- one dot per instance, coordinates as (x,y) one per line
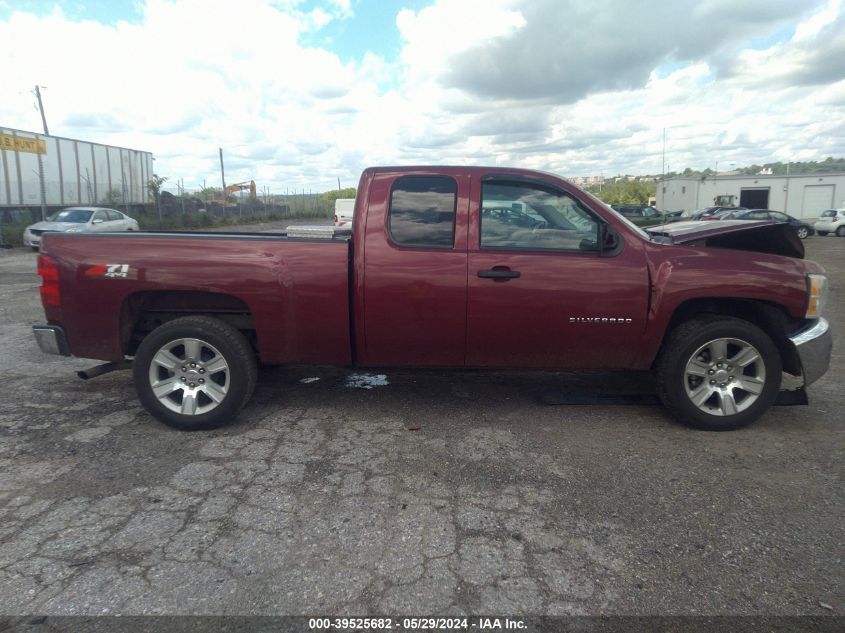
(112,198)
(626,192)
(329,197)
(154,185)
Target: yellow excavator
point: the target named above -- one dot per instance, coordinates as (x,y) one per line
(248,185)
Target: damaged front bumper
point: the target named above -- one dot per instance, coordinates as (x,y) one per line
(813,345)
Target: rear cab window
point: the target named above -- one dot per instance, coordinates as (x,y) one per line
(422,211)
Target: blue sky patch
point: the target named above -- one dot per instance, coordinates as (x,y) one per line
(104,11)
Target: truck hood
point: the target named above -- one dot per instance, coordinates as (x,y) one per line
(775,238)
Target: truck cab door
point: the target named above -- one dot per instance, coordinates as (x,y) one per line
(540,292)
(412,299)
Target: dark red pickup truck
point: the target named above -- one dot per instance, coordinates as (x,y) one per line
(449,267)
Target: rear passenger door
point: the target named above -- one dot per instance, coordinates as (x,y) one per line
(415,271)
(116,220)
(100,221)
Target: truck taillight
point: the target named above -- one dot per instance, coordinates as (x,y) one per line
(48,270)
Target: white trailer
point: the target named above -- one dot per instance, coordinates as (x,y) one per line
(73,172)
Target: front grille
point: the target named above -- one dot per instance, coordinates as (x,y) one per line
(36,231)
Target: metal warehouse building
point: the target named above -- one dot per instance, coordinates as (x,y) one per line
(804,196)
(74,172)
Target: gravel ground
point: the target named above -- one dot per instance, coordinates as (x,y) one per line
(432,493)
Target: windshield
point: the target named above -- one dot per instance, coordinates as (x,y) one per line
(71,215)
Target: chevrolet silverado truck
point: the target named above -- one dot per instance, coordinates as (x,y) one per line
(446,267)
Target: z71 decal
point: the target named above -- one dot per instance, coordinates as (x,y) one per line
(112,271)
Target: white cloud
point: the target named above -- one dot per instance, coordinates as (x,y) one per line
(482,81)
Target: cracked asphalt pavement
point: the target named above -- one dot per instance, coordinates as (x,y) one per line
(432,494)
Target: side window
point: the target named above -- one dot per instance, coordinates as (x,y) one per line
(525,217)
(100,215)
(780,217)
(113,215)
(422,211)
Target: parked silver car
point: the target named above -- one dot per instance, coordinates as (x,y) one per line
(79,220)
(831,221)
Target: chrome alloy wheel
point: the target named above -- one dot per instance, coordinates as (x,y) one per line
(189,376)
(724,376)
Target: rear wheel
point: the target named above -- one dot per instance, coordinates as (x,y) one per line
(194,373)
(718,373)
(840,232)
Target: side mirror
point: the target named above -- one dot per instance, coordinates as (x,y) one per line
(610,242)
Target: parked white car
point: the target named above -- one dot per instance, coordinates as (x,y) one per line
(79,220)
(831,221)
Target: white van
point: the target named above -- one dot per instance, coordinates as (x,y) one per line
(344,209)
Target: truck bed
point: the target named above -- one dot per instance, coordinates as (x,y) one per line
(293,290)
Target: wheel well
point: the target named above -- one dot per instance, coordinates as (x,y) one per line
(143,312)
(769,317)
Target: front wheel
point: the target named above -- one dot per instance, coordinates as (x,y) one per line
(803,233)
(718,373)
(840,232)
(194,373)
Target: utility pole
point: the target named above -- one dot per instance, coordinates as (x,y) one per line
(40,159)
(182,195)
(663,174)
(223,179)
(41,109)
(338,184)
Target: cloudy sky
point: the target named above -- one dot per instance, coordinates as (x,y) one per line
(300,93)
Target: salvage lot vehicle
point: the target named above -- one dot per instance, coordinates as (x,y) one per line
(79,220)
(344,208)
(426,280)
(802,229)
(831,221)
(644,215)
(707,213)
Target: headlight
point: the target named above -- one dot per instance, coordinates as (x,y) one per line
(816,295)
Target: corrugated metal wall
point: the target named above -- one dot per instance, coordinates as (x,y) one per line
(75,173)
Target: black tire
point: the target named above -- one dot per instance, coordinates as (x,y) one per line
(840,231)
(35,248)
(238,379)
(822,233)
(803,232)
(676,387)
